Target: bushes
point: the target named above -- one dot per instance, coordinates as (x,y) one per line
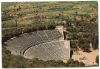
(9,33)
(97,60)
(72,63)
(95,42)
(51,27)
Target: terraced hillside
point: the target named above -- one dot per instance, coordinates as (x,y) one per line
(45,45)
(32,39)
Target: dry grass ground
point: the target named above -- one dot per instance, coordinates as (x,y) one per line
(88,58)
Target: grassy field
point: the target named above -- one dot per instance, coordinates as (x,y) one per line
(28,14)
(24,13)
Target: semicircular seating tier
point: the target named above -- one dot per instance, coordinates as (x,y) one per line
(31,45)
(55,50)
